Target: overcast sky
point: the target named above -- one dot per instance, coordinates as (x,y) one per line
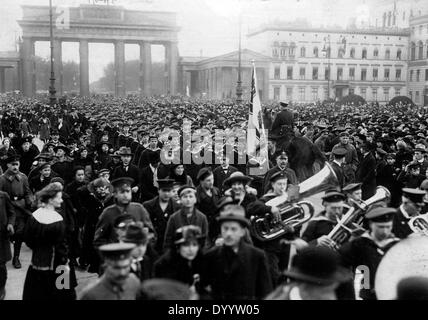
(209,27)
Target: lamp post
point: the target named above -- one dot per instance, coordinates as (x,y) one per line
(239,82)
(327,51)
(52,91)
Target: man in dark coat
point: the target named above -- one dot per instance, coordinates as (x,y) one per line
(28,152)
(222,172)
(282,165)
(284,118)
(16,185)
(412,204)
(160,209)
(236,270)
(127,169)
(149,177)
(7,221)
(337,164)
(63,167)
(366,172)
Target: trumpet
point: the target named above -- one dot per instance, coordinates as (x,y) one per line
(353,219)
(293,214)
(419,224)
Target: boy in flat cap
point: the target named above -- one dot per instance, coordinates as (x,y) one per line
(116,283)
(188,214)
(160,209)
(369,249)
(123,205)
(412,202)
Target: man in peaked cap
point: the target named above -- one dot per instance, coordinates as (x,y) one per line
(282,165)
(353,192)
(369,249)
(127,169)
(16,185)
(123,195)
(116,283)
(284,121)
(351,158)
(412,202)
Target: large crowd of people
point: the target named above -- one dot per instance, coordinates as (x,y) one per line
(94,183)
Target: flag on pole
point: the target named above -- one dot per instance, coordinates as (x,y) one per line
(257,146)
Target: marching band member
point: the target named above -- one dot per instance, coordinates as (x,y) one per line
(353,193)
(412,202)
(369,249)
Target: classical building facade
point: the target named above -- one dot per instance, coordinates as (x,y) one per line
(308,65)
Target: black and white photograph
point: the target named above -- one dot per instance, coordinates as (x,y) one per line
(226,151)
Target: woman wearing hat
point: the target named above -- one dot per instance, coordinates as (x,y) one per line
(179,175)
(184,259)
(45,235)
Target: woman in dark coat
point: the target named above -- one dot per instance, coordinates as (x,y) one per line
(179,175)
(45,234)
(184,261)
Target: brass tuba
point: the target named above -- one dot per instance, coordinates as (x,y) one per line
(293,213)
(352,220)
(419,224)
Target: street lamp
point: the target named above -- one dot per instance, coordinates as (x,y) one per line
(239,83)
(327,52)
(52,91)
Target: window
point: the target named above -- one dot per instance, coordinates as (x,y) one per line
(316,52)
(277,74)
(289,73)
(364,54)
(420,51)
(315,73)
(417,97)
(393,20)
(399,54)
(375,74)
(339,73)
(302,73)
(314,94)
(351,91)
(291,50)
(352,53)
(426,74)
(376,53)
(363,74)
(398,74)
(397,92)
(412,51)
(289,93)
(418,75)
(340,53)
(352,73)
(386,94)
(363,92)
(411,76)
(374,94)
(389,18)
(386,74)
(275,52)
(277,93)
(283,52)
(302,93)
(387,54)
(327,74)
(302,51)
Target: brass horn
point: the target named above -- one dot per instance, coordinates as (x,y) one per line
(293,213)
(419,224)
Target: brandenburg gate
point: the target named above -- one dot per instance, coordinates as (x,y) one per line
(105,24)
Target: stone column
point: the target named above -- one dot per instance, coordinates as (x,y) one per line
(27,66)
(172,67)
(84,67)
(146,68)
(2,80)
(58,66)
(119,61)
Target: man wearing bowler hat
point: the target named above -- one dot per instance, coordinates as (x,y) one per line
(117,282)
(315,274)
(160,209)
(369,249)
(412,202)
(16,185)
(235,269)
(105,232)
